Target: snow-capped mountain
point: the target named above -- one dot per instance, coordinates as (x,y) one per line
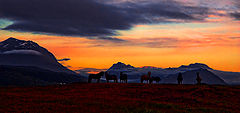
(28,53)
(15,44)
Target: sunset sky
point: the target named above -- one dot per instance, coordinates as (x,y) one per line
(98,33)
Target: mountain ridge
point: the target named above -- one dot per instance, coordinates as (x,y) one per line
(136,72)
(17,52)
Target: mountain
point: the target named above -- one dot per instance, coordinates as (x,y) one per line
(16,52)
(29,76)
(120,65)
(195,66)
(189,77)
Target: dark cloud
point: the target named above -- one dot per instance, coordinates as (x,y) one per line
(156,42)
(234,37)
(64,59)
(91,18)
(236,15)
(111,39)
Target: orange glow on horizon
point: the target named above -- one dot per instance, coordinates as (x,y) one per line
(217,45)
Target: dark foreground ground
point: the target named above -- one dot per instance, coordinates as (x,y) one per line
(120,98)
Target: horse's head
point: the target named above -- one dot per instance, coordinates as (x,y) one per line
(121,73)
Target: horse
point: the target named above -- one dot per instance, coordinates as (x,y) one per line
(180,78)
(123,77)
(156,79)
(146,77)
(111,77)
(95,76)
(199,79)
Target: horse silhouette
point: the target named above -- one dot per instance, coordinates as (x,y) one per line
(146,77)
(180,78)
(95,76)
(156,79)
(123,77)
(199,79)
(111,77)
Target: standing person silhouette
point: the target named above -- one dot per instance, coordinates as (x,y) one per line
(199,79)
(180,78)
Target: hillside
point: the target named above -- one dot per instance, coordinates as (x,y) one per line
(31,76)
(189,77)
(121,98)
(17,52)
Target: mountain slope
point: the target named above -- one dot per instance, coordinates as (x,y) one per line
(28,76)
(27,53)
(189,77)
(232,78)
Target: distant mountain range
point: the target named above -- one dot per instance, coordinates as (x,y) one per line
(27,63)
(169,75)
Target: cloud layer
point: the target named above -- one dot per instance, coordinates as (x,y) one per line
(91,18)
(64,59)
(27,52)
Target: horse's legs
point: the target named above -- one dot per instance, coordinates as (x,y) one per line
(89,80)
(98,80)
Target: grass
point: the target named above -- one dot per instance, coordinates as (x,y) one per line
(125,98)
